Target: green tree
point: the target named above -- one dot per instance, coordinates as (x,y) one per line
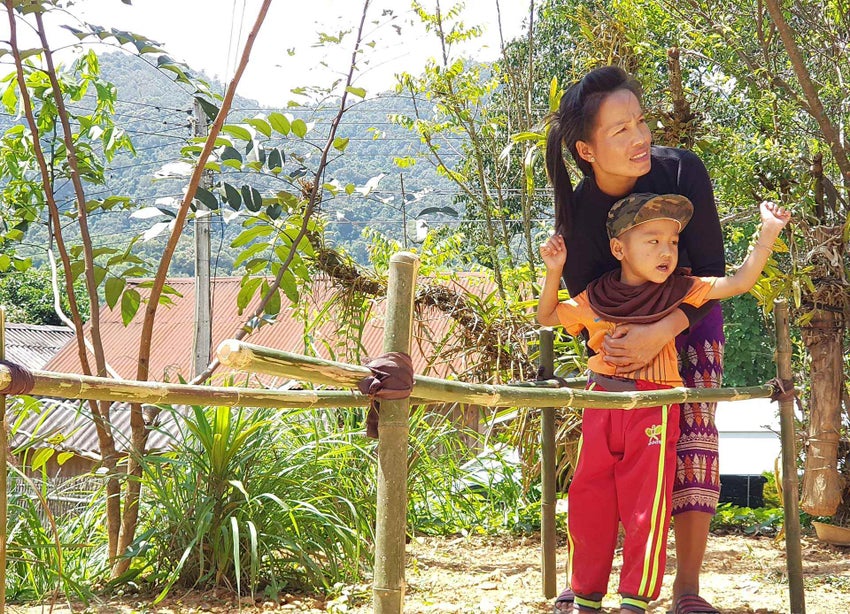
(60,143)
(29,298)
(758,91)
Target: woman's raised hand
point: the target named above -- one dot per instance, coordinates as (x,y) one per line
(554,253)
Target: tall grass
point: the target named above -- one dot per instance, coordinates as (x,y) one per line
(459,482)
(258,499)
(50,555)
(264,500)
(261,501)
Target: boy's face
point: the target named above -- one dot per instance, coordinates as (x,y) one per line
(647,252)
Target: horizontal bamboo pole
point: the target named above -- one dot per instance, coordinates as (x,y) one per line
(72,386)
(254,358)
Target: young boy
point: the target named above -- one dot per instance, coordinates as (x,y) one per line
(627,458)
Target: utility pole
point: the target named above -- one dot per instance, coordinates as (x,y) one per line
(202,340)
(403,212)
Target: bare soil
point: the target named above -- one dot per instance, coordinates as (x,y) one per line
(501,575)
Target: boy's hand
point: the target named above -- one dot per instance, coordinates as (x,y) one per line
(773,218)
(554,253)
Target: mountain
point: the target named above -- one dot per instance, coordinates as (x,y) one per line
(156,113)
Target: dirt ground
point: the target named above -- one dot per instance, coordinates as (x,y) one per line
(501,575)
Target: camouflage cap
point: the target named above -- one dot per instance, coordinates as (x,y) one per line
(638,208)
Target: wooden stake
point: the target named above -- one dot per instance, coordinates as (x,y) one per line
(548,538)
(790,492)
(393,427)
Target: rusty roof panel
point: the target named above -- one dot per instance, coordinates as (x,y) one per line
(171,344)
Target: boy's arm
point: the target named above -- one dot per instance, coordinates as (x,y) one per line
(773,218)
(554,254)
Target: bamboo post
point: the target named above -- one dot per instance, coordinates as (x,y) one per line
(547,471)
(790,492)
(4,449)
(393,424)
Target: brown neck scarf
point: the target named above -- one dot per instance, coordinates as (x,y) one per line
(617,302)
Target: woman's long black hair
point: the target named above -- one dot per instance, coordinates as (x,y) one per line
(574,121)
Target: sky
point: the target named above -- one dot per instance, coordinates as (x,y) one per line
(209,35)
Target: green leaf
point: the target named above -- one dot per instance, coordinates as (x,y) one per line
(248,235)
(246,196)
(99,274)
(232,196)
(357,91)
(249,252)
(445,210)
(206,198)
(40,458)
(246,293)
(340,143)
(404,162)
(230,153)
(238,131)
(299,128)
(114,288)
(275,159)
(209,109)
(273,305)
(279,122)
(260,125)
(130,302)
(274,211)
(256,200)
(289,286)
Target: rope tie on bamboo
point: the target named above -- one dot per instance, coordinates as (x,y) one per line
(783,389)
(391,379)
(23,380)
(541,377)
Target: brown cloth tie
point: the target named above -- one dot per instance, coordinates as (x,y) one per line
(22,378)
(392,378)
(783,389)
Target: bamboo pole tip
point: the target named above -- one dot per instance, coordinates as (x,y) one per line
(408,258)
(230,353)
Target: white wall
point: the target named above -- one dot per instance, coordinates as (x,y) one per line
(749,436)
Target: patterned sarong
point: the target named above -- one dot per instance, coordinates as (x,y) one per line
(697,483)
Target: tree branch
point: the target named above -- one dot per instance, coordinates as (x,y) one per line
(815,106)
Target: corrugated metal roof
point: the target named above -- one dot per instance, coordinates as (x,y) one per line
(33,345)
(171,347)
(68,425)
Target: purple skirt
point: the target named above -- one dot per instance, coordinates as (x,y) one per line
(697,483)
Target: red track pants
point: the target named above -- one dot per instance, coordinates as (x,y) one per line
(625,470)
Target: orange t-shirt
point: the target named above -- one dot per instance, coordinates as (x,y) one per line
(576,314)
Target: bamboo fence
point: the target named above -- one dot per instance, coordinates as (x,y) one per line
(388,583)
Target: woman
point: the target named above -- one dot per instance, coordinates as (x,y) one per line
(601,123)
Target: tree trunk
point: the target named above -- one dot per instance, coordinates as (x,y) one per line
(822,483)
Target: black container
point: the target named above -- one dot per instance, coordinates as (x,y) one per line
(742,490)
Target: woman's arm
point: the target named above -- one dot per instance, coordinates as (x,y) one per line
(632,346)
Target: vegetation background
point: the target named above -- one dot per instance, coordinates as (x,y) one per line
(447,165)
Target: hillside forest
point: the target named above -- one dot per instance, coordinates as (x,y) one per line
(109,161)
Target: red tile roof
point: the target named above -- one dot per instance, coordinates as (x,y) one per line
(171,350)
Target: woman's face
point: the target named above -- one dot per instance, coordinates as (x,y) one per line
(618,149)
